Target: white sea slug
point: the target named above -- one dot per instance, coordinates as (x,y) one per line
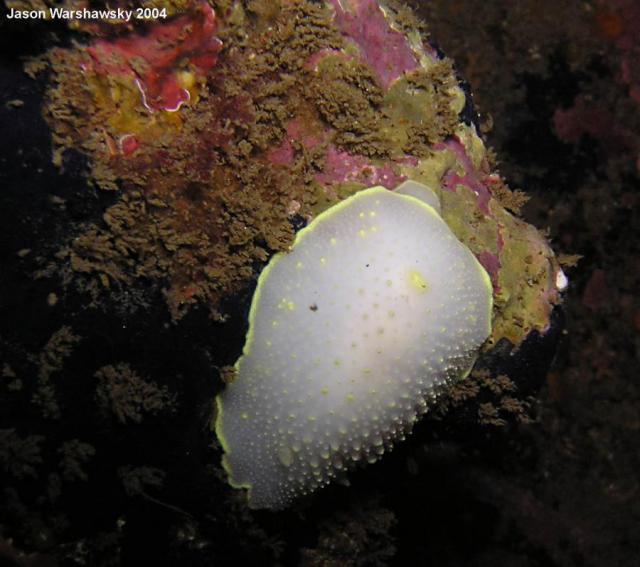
(351,335)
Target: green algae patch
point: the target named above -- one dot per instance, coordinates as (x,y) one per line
(527,269)
(422,108)
(323,199)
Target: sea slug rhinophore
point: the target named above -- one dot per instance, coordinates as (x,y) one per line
(352,334)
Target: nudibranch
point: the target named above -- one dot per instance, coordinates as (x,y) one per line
(353,332)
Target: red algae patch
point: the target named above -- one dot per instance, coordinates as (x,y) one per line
(166,61)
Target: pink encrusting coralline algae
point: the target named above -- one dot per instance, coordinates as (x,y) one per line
(341,166)
(470,177)
(384,49)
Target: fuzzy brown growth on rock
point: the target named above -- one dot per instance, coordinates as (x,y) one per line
(495,398)
(74,455)
(202,205)
(20,456)
(51,361)
(124,395)
(357,536)
(348,98)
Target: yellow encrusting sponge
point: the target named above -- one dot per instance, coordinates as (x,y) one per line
(351,334)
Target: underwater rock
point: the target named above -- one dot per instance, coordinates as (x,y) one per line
(297,107)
